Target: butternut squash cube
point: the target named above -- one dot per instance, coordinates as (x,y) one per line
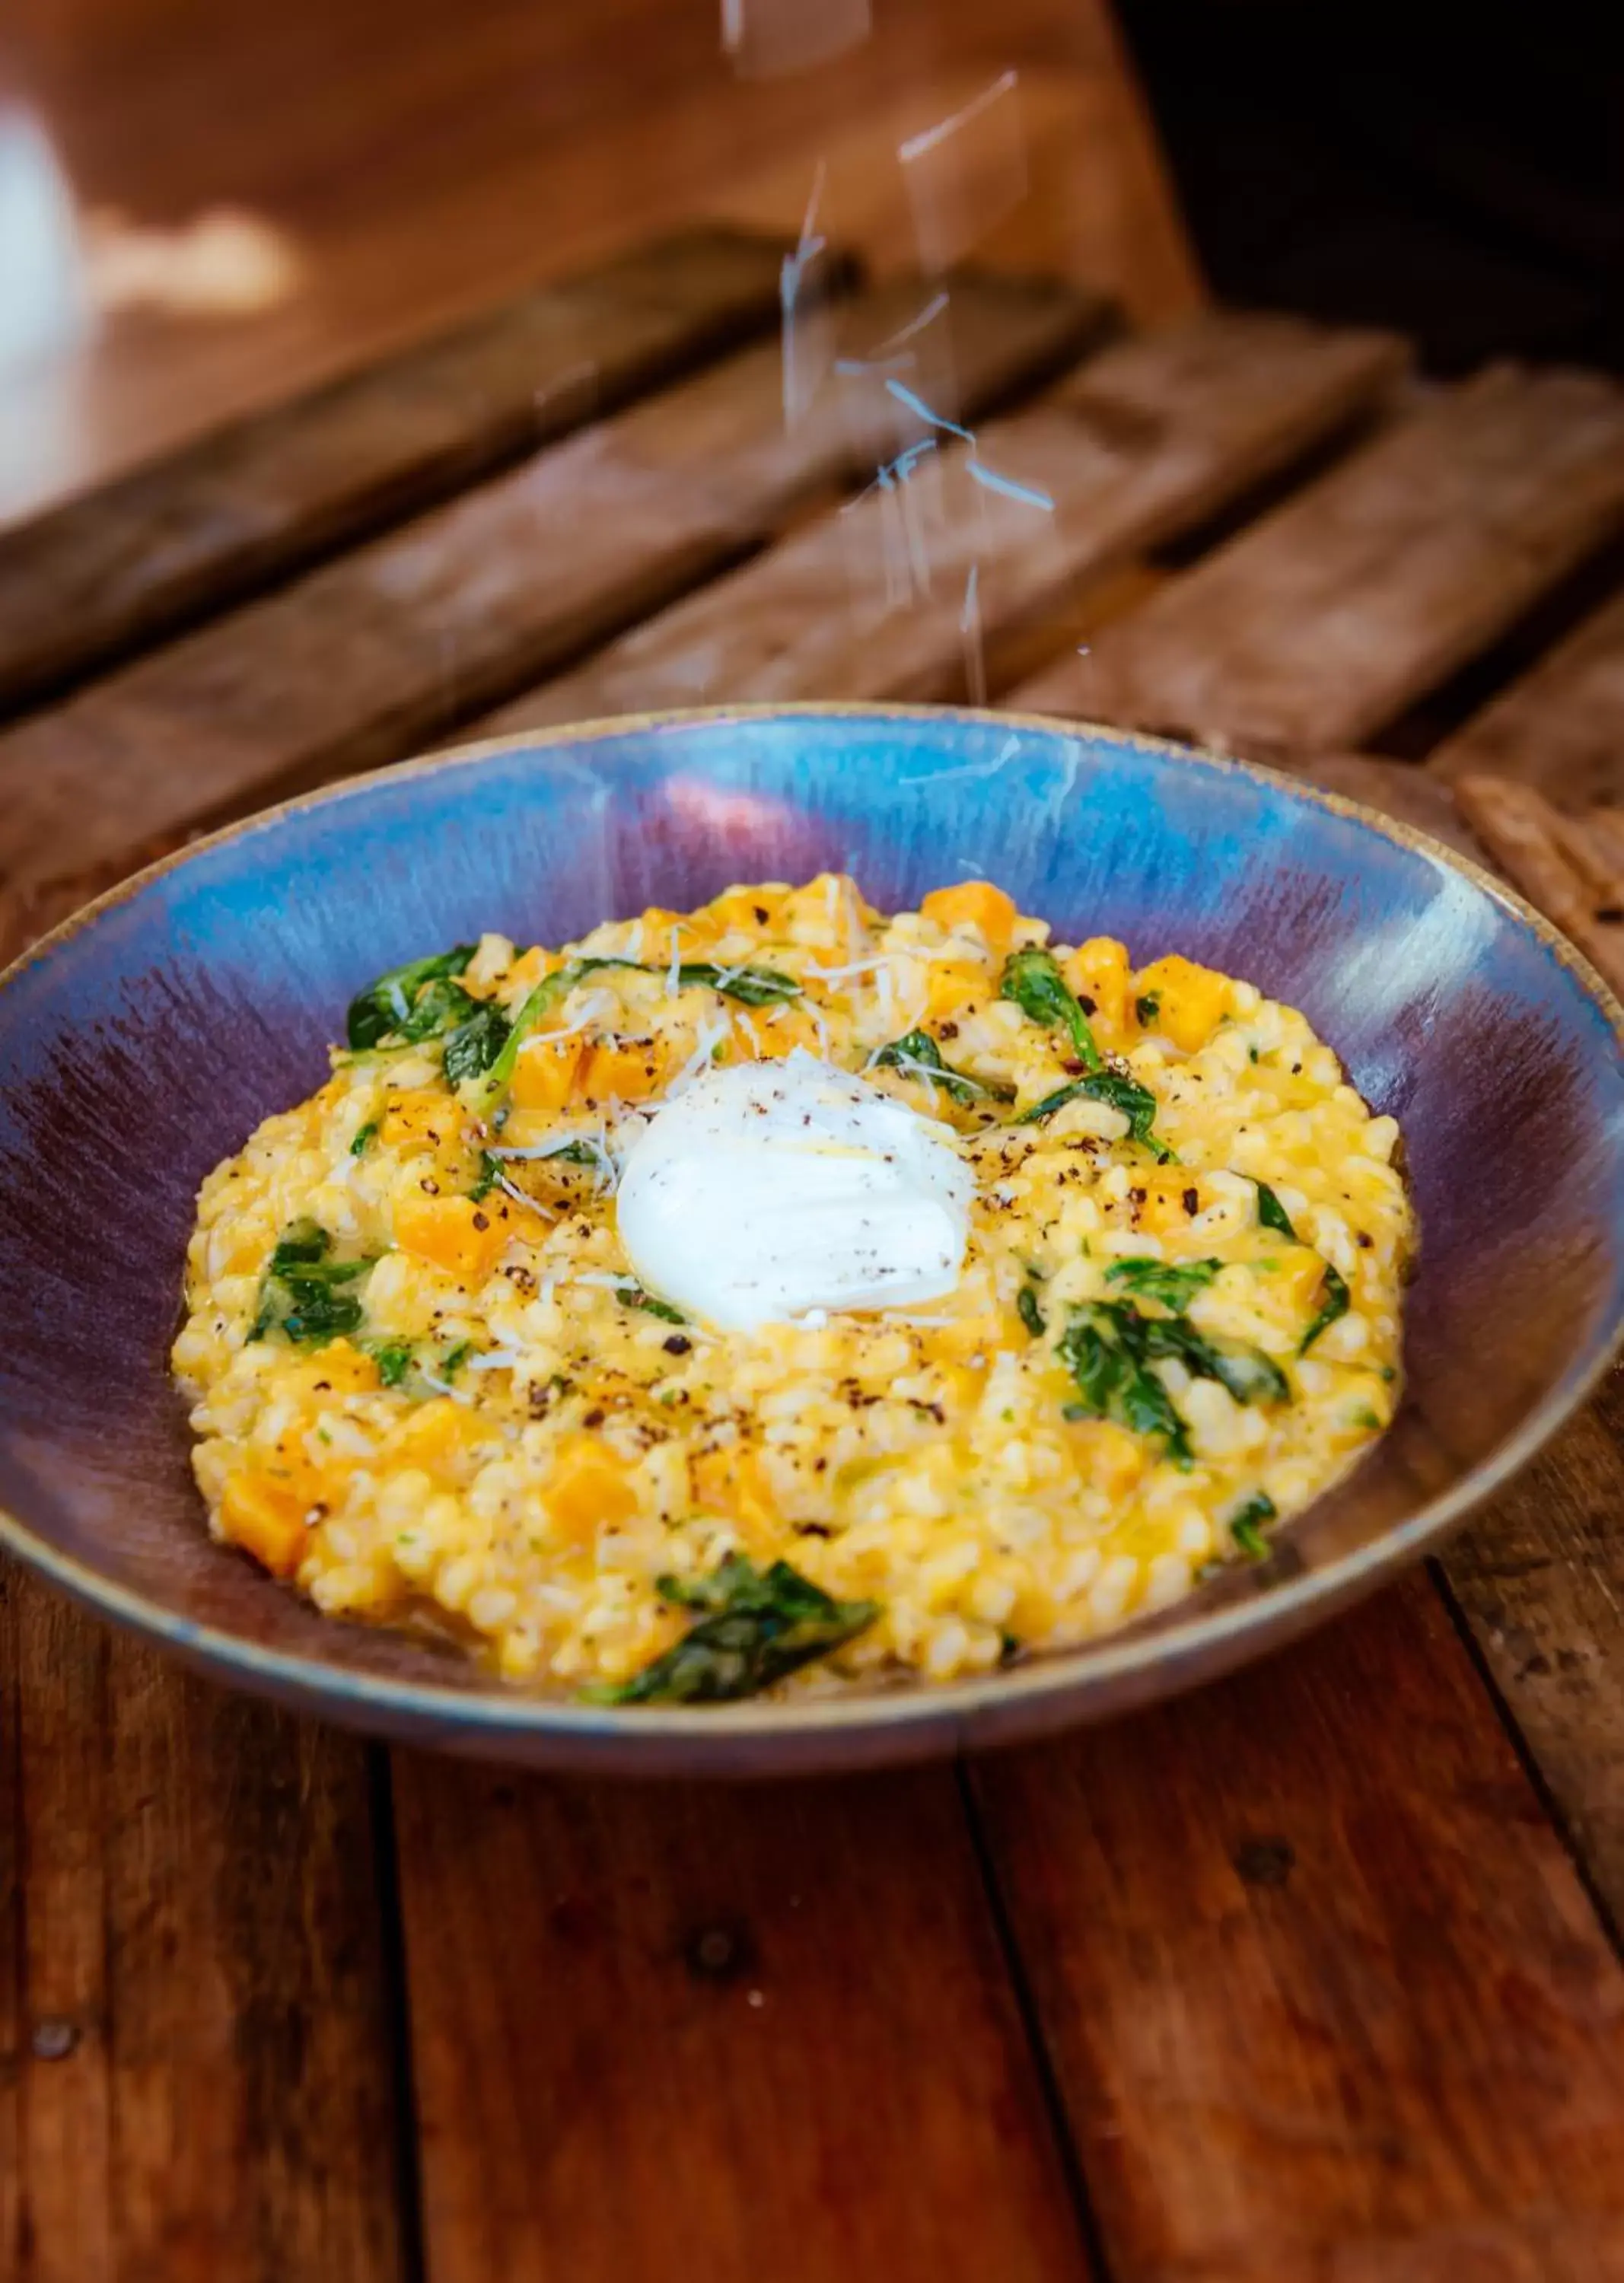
(465,1239)
(1191,1000)
(1097,972)
(588,1487)
(544,1072)
(266,1518)
(973,903)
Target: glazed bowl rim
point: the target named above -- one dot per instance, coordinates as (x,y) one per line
(1217,1640)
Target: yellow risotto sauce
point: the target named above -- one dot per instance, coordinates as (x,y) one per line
(429,1389)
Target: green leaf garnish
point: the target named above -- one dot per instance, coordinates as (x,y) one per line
(392,1358)
(385,1007)
(1246,1526)
(475,1045)
(301,1294)
(1101,1347)
(1175,1287)
(1272,1213)
(1148,1009)
(756,1627)
(752,986)
(364,1138)
(916,1055)
(1136,1103)
(1032,979)
(1337,1302)
(633,1295)
(1030,1315)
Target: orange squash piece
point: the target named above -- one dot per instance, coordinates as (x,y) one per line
(266,1518)
(623,1070)
(588,1487)
(1097,972)
(1191,1000)
(455,1234)
(545,1071)
(975,903)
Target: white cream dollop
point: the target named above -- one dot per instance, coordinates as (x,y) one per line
(768,1190)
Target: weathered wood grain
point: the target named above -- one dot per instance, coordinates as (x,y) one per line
(1322,1991)
(107,573)
(1573,870)
(1541,1580)
(381,651)
(195,2060)
(1560,727)
(876,601)
(765,2032)
(1319,625)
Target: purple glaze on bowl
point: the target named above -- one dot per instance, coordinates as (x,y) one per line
(144,1041)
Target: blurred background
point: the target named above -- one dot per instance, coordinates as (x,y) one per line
(204,203)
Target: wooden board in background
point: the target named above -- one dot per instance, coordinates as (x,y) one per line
(744,2033)
(1561,727)
(1322,1989)
(1319,625)
(232,513)
(1154,435)
(195,2064)
(377,654)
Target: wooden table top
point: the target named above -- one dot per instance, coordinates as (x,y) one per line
(1313,1975)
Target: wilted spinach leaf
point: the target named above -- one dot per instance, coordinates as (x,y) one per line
(1136,1103)
(1337,1301)
(1175,1287)
(386,1006)
(475,1045)
(1245,1525)
(916,1055)
(1272,1213)
(1032,979)
(302,1293)
(756,1627)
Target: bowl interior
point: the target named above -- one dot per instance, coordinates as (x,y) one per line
(144,1043)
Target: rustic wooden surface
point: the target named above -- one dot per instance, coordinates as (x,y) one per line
(387,649)
(197,2075)
(1561,728)
(738,2033)
(247,505)
(1318,627)
(1317,1973)
(1156,434)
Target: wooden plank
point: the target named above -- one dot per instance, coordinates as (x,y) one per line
(1561,727)
(876,602)
(1540,1581)
(225,517)
(1322,1989)
(1572,869)
(1321,624)
(196,2071)
(685,2031)
(384,650)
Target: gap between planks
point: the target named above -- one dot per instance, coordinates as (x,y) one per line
(1313,628)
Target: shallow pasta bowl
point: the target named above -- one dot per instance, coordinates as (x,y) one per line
(145,1040)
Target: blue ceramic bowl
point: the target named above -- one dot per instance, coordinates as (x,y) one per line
(143,1040)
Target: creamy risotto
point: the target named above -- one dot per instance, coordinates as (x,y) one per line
(782,1290)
